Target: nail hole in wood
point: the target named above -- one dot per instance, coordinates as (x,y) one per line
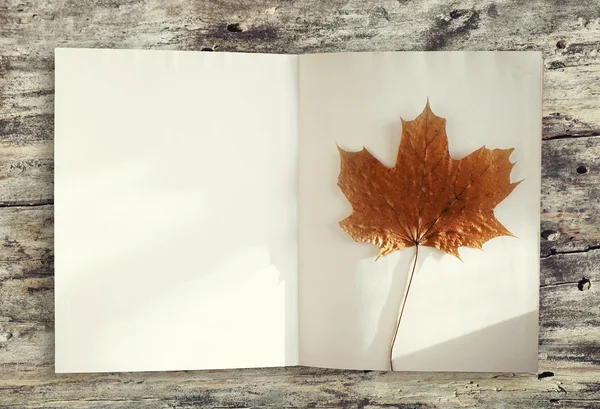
(545,375)
(550,235)
(561,44)
(584,284)
(454,14)
(235,28)
(582,169)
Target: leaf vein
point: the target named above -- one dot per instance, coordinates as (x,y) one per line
(461,192)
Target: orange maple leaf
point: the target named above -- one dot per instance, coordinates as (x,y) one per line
(428,198)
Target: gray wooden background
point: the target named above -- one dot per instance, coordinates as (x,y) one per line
(568,34)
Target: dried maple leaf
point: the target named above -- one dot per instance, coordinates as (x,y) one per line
(427,198)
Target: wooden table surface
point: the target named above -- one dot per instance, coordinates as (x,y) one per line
(568,34)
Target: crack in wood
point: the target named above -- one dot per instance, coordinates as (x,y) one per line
(561,284)
(575,400)
(20,321)
(554,252)
(574,135)
(27,203)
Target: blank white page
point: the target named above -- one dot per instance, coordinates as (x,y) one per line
(476,315)
(175,210)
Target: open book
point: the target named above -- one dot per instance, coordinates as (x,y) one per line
(197,211)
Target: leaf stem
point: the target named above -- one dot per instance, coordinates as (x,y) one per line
(403,304)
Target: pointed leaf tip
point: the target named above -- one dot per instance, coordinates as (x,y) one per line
(341,150)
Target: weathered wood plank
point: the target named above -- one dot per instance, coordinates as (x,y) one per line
(300,387)
(26,173)
(569,310)
(27,234)
(25,347)
(570,191)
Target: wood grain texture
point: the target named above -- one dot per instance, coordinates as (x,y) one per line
(567,33)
